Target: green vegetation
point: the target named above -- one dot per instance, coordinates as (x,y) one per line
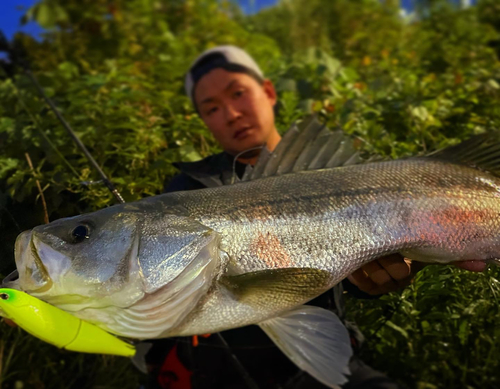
(115,70)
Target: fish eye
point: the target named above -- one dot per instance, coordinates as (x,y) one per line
(80,233)
(4,296)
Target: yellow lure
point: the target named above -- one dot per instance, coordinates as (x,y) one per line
(58,327)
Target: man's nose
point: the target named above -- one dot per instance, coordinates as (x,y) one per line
(232,113)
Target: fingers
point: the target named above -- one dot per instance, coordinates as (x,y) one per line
(365,277)
(379,274)
(362,281)
(384,275)
(397,267)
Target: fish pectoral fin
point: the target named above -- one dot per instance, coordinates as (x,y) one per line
(315,340)
(278,286)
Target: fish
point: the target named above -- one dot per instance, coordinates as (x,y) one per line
(301,220)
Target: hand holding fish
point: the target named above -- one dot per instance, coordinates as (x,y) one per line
(395,272)
(385,275)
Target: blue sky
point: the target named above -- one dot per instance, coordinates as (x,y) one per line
(12,10)
(10,16)
(252,6)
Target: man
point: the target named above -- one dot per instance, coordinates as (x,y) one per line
(236,103)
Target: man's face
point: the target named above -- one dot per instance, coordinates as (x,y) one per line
(237,110)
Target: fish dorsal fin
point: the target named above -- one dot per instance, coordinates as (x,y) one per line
(315,340)
(307,146)
(269,163)
(480,151)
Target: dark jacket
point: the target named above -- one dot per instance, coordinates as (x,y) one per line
(214,170)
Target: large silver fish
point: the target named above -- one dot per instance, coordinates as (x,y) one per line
(254,252)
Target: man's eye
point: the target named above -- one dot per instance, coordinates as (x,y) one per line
(238,93)
(211,111)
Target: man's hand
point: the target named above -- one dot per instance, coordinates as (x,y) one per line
(385,274)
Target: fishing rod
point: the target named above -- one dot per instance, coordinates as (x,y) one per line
(17,59)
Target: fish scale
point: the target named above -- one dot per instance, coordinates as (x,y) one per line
(363,203)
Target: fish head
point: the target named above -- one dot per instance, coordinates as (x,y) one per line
(86,256)
(136,270)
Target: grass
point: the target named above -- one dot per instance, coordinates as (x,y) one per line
(26,362)
(441,332)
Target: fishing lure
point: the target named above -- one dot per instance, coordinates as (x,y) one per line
(57,327)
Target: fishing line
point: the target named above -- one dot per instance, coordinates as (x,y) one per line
(75,138)
(293,380)
(38,126)
(235,159)
(17,59)
(14,274)
(236,362)
(4,209)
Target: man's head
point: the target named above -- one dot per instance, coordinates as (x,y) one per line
(233,99)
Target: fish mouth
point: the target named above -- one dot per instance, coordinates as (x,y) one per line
(10,280)
(32,273)
(44,280)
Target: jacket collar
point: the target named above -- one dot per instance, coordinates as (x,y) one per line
(215,170)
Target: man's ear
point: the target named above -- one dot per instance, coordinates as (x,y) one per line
(270,91)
